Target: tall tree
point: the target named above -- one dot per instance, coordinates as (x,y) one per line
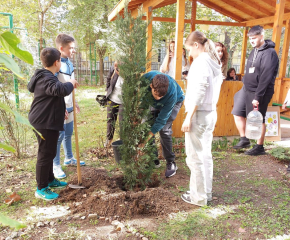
(88,21)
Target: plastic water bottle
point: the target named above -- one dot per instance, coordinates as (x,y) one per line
(254,124)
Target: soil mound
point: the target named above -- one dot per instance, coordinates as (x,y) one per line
(106,196)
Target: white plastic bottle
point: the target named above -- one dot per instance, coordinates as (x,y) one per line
(254,124)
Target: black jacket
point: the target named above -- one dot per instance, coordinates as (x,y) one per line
(266,65)
(48,107)
(111,82)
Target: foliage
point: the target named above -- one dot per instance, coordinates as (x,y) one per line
(6,221)
(220,144)
(10,45)
(280,153)
(131,39)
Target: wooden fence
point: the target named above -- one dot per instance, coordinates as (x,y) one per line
(225,125)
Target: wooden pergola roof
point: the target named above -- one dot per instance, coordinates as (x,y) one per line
(238,10)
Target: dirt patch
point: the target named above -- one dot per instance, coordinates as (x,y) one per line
(106,196)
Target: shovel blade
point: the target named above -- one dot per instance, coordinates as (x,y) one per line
(75,186)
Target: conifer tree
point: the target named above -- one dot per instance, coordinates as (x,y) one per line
(137,164)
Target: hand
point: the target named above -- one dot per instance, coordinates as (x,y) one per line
(284,106)
(171,54)
(186,125)
(74,82)
(141,145)
(66,115)
(255,103)
(78,110)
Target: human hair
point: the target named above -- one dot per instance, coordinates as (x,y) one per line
(184,56)
(160,84)
(225,57)
(229,71)
(208,44)
(168,58)
(63,39)
(48,56)
(256,30)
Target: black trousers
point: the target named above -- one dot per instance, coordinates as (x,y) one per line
(166,133)
(112,113)
(46,154)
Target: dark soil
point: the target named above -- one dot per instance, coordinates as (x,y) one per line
(106,196)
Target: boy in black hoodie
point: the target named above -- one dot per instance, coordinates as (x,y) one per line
(46,115)
(258,89)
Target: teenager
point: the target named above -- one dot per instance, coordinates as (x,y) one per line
(259,80)
(203,88)
(223,56)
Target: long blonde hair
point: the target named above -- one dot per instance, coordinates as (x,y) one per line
(167,58)
(208,44)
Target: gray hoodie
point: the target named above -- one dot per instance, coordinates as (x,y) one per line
(203,84)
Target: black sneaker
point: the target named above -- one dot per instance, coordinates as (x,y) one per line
(256,151)
(243,143)
(170,169)
(157,163)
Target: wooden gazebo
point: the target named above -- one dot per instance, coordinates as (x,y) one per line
(268,13)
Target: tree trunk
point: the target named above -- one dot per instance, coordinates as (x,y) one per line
(101,71)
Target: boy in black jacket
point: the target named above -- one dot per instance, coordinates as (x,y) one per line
(46,115)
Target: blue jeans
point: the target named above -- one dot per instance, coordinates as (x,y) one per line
(65,139)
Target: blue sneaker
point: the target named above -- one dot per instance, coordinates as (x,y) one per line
(58,173)
(73,162)
(46,194)
(57,184)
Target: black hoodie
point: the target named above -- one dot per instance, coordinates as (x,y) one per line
(266,65)
(48,107)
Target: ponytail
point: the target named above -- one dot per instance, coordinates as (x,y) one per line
(208,44)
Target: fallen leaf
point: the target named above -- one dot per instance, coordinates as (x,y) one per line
(8,190)
(242,230)
(85,195)
(12,198)
(214,198)
(10,168)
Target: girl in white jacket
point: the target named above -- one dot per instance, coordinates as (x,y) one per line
(203,88)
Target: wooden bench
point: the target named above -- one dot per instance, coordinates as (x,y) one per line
(282,111)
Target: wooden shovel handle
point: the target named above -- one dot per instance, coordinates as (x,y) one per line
(77,140)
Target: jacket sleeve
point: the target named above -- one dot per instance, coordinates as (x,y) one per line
(53,87)
(109,77)
(164,114)
(269,65)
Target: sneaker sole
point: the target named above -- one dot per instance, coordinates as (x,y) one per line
(59,177)
(38,196)
(257,154)
(191,202)
(60,187)
(172,173)
(247,146)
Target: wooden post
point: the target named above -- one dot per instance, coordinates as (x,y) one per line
(244,50)
(149,39)
(180,13)
(278,23)
(193,18)
(283,65)
(193,15)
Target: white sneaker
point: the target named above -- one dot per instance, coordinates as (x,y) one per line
(58,173)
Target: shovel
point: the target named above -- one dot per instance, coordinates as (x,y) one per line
(77,147)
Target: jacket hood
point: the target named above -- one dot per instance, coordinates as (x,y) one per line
(267,44)
(39,73)
(214,65)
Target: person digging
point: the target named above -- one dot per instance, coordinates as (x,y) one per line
(167,101)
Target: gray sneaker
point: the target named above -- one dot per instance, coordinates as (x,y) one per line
(170,169)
